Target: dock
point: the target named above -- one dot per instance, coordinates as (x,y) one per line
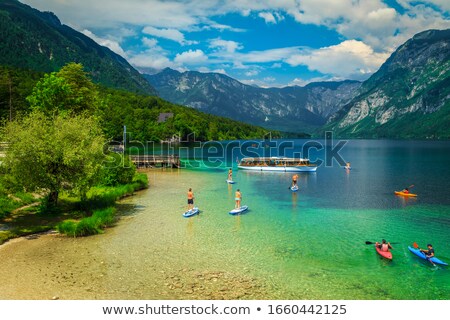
(156,161)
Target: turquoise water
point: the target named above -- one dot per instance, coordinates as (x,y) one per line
(311,244)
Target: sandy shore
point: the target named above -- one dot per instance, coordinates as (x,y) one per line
(150,254)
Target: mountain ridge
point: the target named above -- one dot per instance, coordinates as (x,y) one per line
(291,108)
(408,97)
(39,41)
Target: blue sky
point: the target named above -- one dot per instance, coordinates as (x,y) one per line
(265,43)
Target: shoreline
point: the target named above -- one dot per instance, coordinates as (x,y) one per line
(67,268)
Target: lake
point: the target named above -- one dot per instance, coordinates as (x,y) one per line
(304,245)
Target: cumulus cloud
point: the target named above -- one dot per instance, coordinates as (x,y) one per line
(150,43)
(227,45)
(191,57)
(153,61)
(111,44)
(350,59)
(268,17)
(170,34)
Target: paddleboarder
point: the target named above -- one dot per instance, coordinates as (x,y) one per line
(238,198)
(230,174)
(294,180)
(190,197)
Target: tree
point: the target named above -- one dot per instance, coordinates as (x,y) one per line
(50,154)
(69,90)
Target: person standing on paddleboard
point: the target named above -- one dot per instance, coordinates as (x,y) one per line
(190,201)
(294,180)
(238,198)
(230,174)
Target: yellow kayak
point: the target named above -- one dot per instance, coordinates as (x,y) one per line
(399,193)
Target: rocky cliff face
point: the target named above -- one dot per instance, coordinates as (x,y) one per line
(408,97)
(296,109)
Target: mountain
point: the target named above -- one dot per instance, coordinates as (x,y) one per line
(408,97)
(36,40)
(295,109)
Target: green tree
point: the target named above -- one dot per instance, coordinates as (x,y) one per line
(51,154)
(69,91)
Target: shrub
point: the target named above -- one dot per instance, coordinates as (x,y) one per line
(118,169)
(89,225)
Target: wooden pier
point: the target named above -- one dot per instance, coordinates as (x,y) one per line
(156,161)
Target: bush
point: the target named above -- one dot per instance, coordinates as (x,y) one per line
(89,225)
(118,169)
(7,205)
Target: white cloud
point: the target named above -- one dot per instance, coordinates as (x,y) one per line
(268,17)
(111,44)
(150,43)
(191,57)
(350,59)
(303,82)
(227,45)
(251,73)
(146,60)
(171,34)
(207,70)
(269,79)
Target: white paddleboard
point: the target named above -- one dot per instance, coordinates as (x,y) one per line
(231,181)
(191,212)
(238,210)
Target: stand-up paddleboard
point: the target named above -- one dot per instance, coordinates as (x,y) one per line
(348,168)
(231,181)
(294,188)
(422,255)
(384,254)
(240,210)
(191,212)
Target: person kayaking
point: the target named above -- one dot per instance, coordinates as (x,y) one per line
(429,253)
(230,174)
(406,190)
(190,201)
(238,198)
(294,180)
(384,246)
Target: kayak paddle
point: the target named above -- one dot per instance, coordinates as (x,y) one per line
(370,242)
(415,245)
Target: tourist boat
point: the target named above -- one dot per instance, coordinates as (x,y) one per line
(277,164)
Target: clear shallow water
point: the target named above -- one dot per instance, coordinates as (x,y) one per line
(313,242)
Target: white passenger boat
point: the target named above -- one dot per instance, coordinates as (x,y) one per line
(277,164)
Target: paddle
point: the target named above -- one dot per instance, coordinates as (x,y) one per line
(370,242)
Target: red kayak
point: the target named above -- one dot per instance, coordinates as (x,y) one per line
(384,254)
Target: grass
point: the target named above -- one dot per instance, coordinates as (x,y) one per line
(72,216)
(102,200)
(94,224)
